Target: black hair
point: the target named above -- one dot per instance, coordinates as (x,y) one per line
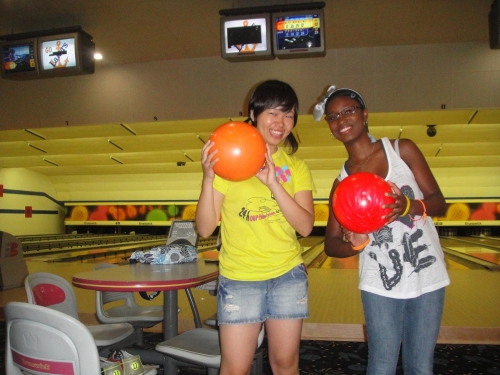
(274,94)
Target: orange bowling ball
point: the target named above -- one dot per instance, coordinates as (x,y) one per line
(241,151)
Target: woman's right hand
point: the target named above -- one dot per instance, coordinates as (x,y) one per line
(208,160)
(355,239)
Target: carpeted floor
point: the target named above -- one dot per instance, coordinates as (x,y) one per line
(349,358)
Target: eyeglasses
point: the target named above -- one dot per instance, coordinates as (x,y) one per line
(347,111)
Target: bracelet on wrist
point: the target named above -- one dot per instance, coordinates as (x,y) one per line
(407,209)
(424,214)
(362,246)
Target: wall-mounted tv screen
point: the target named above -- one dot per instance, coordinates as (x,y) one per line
(246,37)
(299,33)
(66,54)
(19,59)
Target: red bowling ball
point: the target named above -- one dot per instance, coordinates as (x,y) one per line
(357,202)
(241,151)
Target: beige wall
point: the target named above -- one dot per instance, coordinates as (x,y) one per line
(394,78)
(22,181)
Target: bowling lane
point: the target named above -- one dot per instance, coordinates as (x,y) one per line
(314,257)
(486,250)
(493,242)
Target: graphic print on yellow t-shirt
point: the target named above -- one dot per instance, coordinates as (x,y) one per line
(261,209)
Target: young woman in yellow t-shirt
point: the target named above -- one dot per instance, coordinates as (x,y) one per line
(262,276)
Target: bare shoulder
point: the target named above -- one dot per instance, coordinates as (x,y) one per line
(406,147)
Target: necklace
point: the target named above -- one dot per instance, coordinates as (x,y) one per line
(362,165)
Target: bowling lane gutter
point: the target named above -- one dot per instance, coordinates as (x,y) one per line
(489,265)
(314,257)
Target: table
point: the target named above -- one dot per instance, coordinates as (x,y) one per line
(152,277)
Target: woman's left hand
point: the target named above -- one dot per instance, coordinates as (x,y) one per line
(399,205)
(267,175)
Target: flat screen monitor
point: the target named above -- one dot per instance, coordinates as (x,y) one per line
(183,232)
(66,54)
(299,33)
(19,59)
(246,37)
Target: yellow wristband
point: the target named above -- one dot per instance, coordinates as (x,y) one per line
(362,246)
(407,209)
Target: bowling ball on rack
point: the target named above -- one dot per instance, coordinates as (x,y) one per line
(357,202)
(241,151)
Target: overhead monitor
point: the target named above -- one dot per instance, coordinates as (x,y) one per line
(299,33)
(66,54)
(19,59)
(246,37)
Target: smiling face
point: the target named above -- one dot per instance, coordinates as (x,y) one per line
(274,124)
(346,118)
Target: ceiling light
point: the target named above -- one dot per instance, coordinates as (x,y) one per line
(97,56)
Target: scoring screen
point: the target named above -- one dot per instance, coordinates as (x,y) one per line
(58,53)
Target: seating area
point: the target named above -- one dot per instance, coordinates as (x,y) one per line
(121,319)
(128,311)
(52,291)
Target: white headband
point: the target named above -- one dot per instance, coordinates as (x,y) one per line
(319,109)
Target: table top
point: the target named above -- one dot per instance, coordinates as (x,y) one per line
(147,277)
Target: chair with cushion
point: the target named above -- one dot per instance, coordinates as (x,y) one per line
(52,291)
(200,346)
(39,339)
(127,310)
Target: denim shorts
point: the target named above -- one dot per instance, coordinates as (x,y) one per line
(284,297)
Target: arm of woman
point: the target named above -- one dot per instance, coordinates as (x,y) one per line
(210,201)
(335,245)
(297,210)
(434,201)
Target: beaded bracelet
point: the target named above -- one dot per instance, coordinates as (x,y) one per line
(407,209)
(424,215)
(362,246)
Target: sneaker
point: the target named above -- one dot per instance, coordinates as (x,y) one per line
(110,368)
(130,364)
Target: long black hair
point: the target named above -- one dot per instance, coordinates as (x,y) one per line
(274,94)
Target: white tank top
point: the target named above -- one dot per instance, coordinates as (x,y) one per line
(404,259)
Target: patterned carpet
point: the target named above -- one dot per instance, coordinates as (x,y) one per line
(349,358)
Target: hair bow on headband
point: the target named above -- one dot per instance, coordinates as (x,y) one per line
(319,109)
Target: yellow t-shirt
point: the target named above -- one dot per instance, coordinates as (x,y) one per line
(257,241)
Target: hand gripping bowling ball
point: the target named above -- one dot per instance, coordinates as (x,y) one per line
(357,202)
(241,151)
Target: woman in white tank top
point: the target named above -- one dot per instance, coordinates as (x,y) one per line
(402,269)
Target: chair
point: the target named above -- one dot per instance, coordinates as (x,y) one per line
(200,346)
(40,338)
(49,290)
(129,311)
